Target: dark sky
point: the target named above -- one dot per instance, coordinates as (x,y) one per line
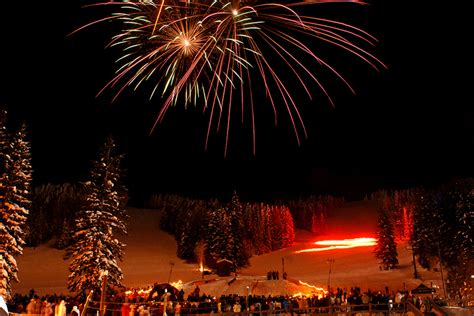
(409,125)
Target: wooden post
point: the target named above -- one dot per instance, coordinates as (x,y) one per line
(102,294)
(330,261)
(83,312)
(441,272)
(165,302)
(171,270)
(415,273)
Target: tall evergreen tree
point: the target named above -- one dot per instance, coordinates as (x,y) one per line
(276,226)
(217,236)
(423,229)
(15,178)
(267,236)
(386,248)
(21,173)
(461,255)
(288,231)
(96,249)
(237,249)
(191,233)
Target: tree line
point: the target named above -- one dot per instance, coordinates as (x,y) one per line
(211,230)
(437,223)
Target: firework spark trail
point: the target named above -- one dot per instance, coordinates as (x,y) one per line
(209,49)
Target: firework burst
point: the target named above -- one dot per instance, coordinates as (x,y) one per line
(209,52)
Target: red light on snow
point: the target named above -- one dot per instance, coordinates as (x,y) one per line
(341,244)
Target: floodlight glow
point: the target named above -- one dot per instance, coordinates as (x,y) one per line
(341,244)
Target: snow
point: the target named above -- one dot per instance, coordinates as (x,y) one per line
(150,256)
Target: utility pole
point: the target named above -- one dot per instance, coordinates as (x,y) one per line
(441,272)
(282,266)
(247,299)
(330,261)
(165,302)
(415,272)
(171,270)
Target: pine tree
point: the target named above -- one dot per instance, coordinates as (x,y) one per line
(15,177)
(217,236)
(238,255)
(191,234)
(276,227)
(21,168)
(266,227)
(249,222)
(461,267)
(423,229)
(96,249)
(256,233)
(386,248)
(288,231)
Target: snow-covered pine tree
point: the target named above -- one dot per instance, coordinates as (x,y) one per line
(254,224)
(249,222)
(267,227)
(386,248)
(15,177)
(423,228)
(172,213)
(217,236)
(21,168)
(276,226)
(6,240)
(65,239)
(462,268)
(193,226)
(288,231)
(238,255)
(96,249)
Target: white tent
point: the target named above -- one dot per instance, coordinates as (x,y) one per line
(3,307)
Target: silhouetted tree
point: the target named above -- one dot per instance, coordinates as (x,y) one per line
(386,248)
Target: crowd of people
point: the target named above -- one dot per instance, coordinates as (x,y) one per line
(120,304)
(47,305)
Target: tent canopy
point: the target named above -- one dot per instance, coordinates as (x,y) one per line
(160,289)
(422,289)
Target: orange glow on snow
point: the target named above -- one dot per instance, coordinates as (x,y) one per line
(319,291)
(179,285)
(341,244)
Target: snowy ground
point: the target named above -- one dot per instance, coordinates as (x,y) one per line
(151,257)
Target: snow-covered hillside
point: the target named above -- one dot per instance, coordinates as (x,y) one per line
(150,257)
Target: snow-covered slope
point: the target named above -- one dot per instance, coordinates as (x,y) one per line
(150,257)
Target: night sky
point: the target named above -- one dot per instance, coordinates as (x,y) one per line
(412,124)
